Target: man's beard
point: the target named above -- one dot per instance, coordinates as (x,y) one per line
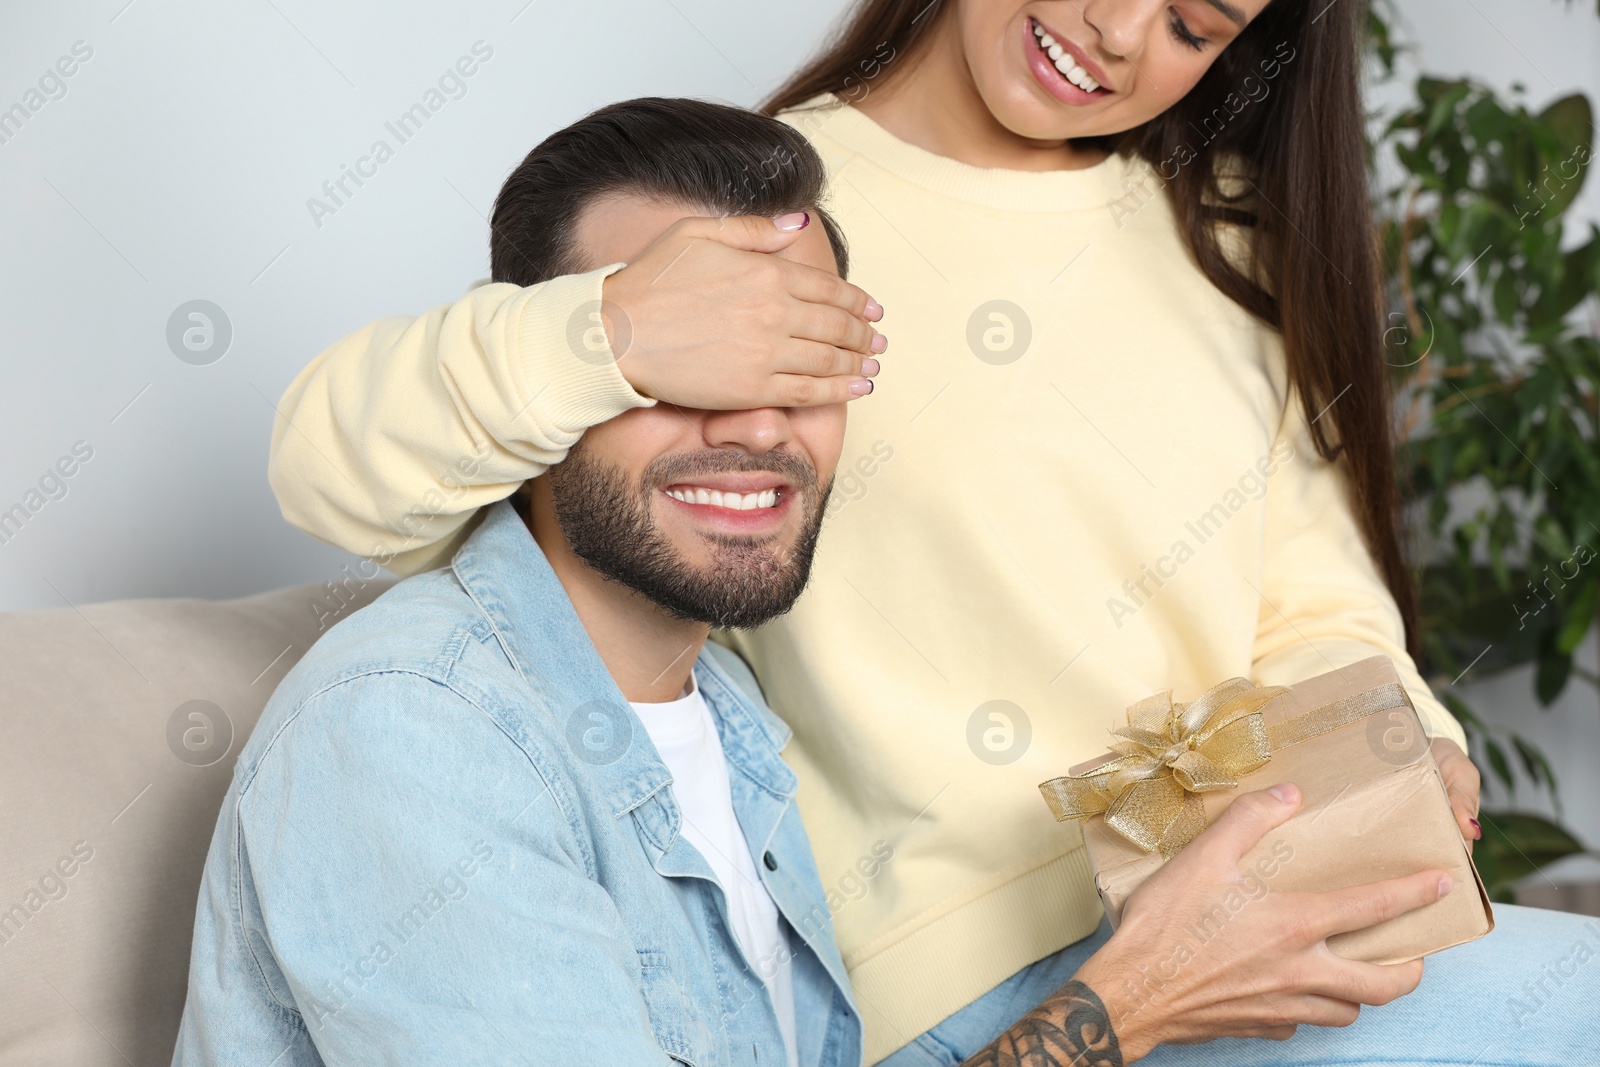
(607,521)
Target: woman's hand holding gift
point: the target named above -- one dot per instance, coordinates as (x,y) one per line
(1182,968)
(1461,781)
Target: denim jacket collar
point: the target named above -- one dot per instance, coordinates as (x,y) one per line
(506,574)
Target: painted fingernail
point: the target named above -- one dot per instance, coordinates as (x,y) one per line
(860,387)
(869,367)
(795,220)
(1284,791)
(1477,830)
(879,343)
(874,310)
(1445,885)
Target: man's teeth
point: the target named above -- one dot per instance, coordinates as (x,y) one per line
(1064,62)
(767,498)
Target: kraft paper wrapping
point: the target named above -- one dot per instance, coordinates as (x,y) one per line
(1374,806)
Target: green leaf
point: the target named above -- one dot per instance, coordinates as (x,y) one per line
(1507,301)
(1534,835)
(1498,762)
(1451,94)
(1576,282)
(1538,767)
(1548,534)
(1571,120)
(1380,38)
(1515,844)
(1579,617)
(1555,667)
(1465,715)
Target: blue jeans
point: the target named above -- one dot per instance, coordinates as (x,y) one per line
(1529,993)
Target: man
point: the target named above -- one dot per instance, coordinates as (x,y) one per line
(520,807)
(518,810)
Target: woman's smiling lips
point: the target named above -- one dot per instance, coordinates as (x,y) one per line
(1049,75)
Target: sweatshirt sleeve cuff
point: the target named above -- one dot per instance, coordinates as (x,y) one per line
(562,359)
(1436,718)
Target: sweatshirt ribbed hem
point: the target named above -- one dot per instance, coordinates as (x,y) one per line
(946,964)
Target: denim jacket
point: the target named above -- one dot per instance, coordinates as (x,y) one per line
(449,840)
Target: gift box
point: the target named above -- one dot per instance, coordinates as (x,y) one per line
(1374,805)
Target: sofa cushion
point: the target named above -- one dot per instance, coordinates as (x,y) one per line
(119,727)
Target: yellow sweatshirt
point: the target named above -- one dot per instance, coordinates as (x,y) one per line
(1081,480)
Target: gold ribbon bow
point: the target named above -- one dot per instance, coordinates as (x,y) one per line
(1171,754)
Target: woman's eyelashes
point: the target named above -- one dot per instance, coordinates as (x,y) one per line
(1184,35)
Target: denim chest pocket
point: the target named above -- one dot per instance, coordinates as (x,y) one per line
(674,1018)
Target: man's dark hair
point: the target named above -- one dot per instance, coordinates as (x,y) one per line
(722,158)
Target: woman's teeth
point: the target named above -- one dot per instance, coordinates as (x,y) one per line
(767,498)
(1064,62)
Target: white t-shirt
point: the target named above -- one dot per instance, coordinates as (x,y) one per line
(685,735)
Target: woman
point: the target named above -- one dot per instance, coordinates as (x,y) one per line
(1135,436)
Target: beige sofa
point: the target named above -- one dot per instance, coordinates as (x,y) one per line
(119,727)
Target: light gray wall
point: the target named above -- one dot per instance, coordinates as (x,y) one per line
(178,166)
(176,162)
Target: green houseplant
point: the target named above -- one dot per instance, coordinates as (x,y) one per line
(1494,338)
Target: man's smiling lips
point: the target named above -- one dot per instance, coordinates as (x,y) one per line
(739,502)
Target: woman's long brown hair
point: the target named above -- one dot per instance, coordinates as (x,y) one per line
(1311,272)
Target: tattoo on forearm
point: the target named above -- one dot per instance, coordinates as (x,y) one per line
(1071,1029)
